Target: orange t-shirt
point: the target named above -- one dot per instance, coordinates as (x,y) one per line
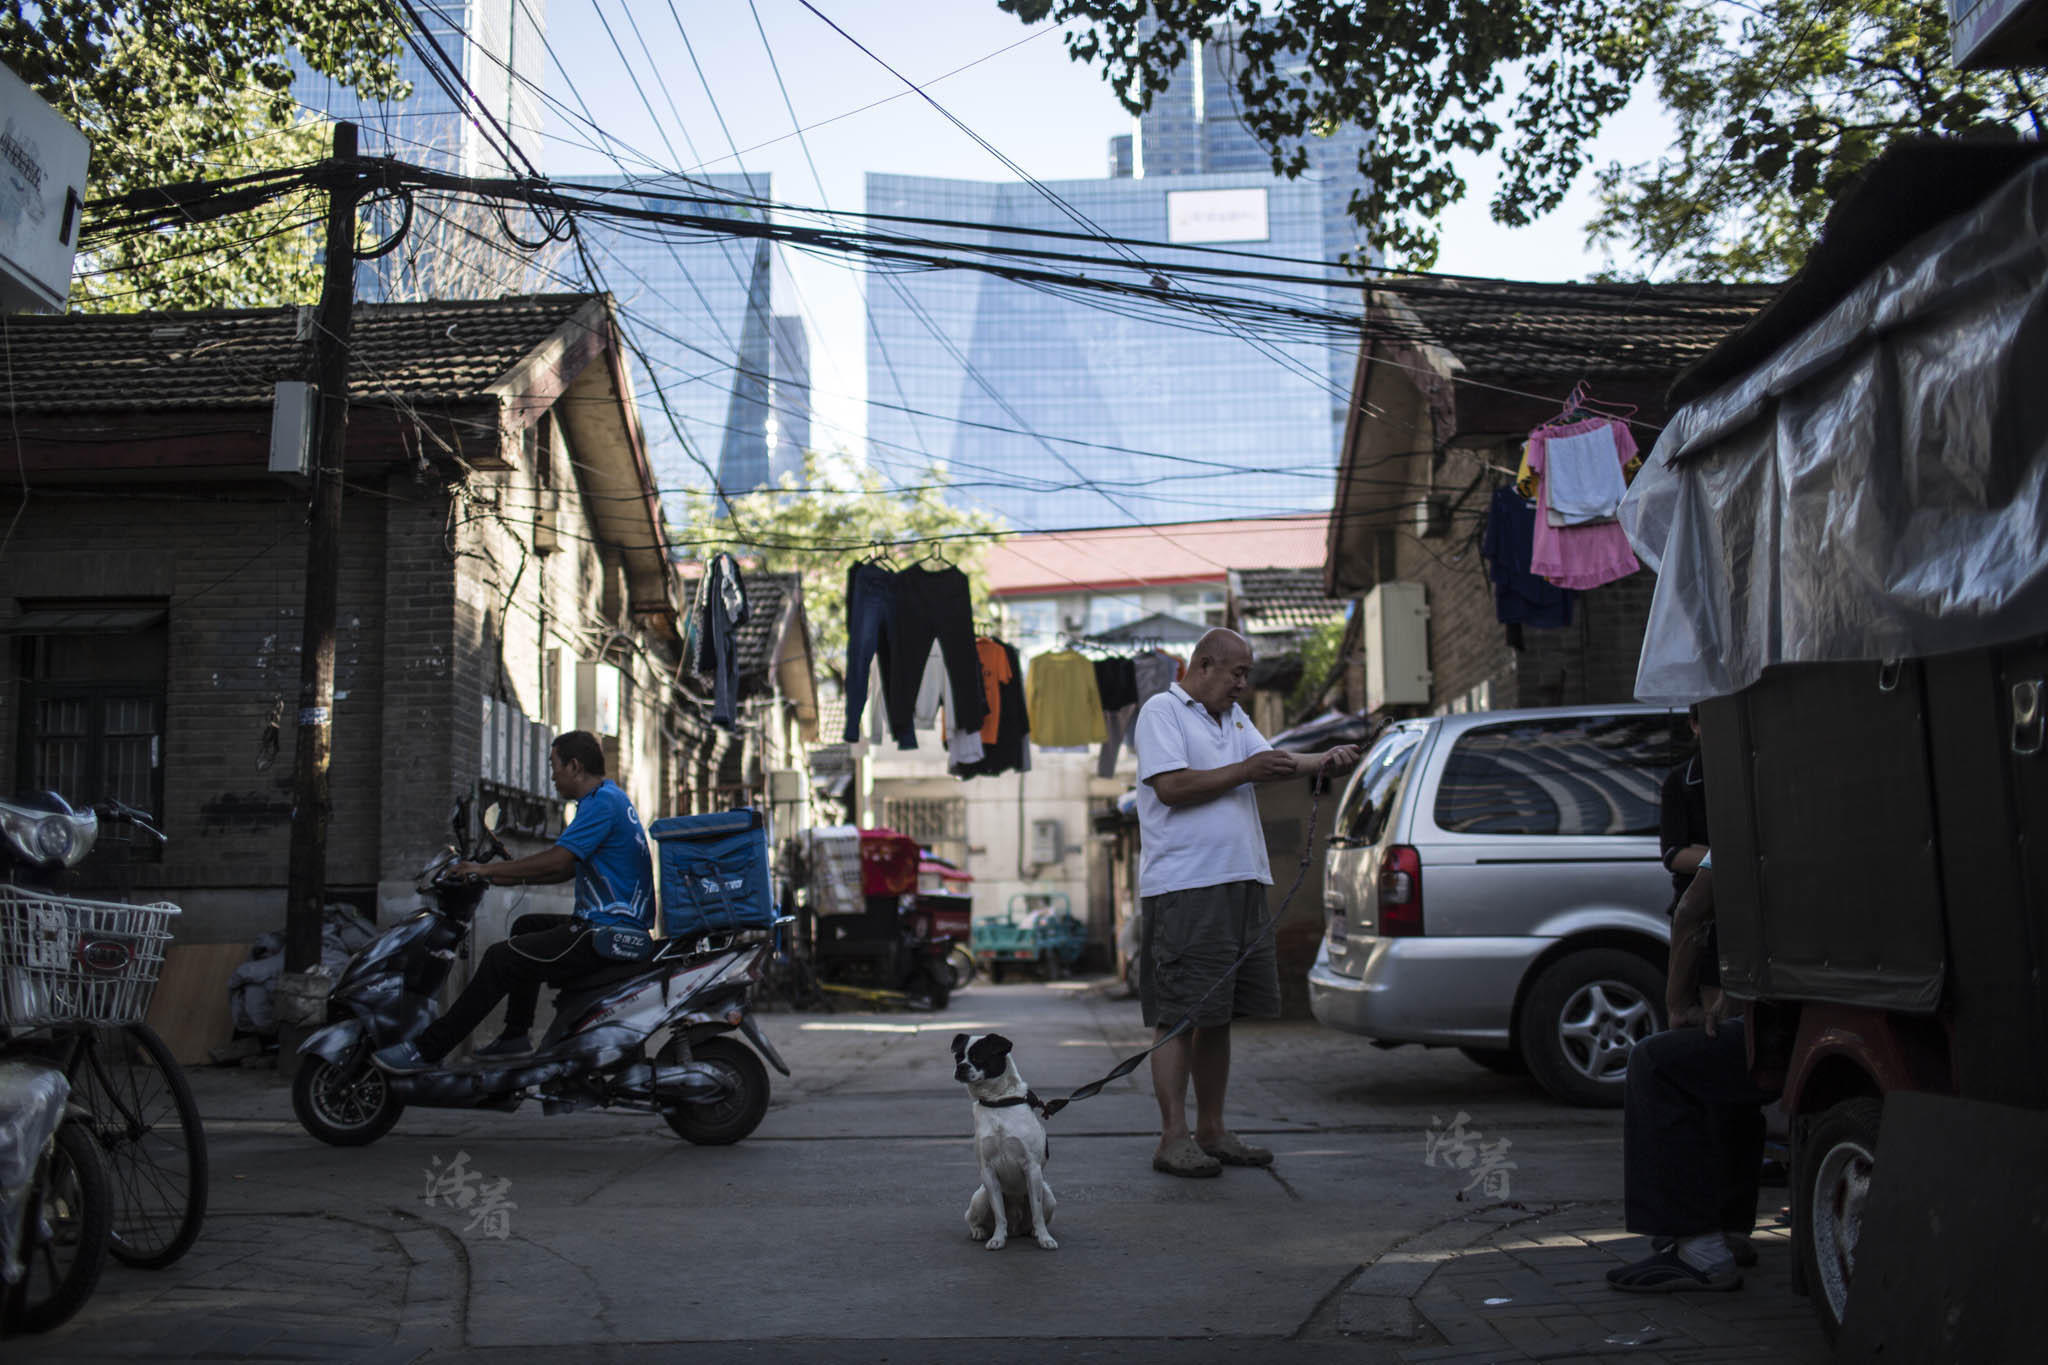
(995,671)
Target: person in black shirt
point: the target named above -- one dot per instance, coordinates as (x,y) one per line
(1682,817)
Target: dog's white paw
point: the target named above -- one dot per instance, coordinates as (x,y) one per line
(997,1242)
(1045,1240)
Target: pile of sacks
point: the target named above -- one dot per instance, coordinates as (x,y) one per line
(252,990)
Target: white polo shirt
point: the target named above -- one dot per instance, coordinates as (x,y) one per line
(1217,841)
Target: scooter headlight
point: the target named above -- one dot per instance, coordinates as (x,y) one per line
(54,839)
(49,837)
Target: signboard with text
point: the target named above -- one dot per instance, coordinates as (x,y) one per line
(1216,216)
(1993,33)
(42,191)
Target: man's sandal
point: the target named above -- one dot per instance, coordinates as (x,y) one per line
(1186,1159)
(1231,1151)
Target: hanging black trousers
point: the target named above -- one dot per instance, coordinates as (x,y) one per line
(870,629)
(933,604)
(1692,1134)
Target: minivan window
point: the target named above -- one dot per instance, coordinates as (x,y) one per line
(1363,816)
(1570,775)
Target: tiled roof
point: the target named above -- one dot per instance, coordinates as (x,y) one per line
(768,598)
(1126,556)
(831,715)
(421,352)
(1283,599)
(1501,330)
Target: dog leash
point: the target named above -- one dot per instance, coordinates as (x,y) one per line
(1047,1108)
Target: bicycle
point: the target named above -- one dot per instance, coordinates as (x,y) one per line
(96,963)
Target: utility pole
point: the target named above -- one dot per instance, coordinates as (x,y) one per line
(306,890)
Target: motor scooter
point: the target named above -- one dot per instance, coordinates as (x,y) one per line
(711,1089)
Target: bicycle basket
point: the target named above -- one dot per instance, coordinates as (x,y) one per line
(66,960)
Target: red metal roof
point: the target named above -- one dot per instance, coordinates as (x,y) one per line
(1140,556)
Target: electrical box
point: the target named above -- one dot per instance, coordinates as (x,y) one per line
(1047,844)
(542,740)
(291,427)
(1397,669)
(487,756)
(598,689)
(785,786)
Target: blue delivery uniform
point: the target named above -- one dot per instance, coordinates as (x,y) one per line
(614,886)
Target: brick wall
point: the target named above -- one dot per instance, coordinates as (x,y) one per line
(441,604)
(1592,660)
(229,565)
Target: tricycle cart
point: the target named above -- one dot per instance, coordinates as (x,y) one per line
(1038,930)
(947,894)
(890,945)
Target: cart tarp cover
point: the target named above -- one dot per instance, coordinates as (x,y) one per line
(1878,487)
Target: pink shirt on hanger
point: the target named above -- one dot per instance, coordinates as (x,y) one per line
(1579,557)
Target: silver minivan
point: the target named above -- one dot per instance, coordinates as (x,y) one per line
(1493,884)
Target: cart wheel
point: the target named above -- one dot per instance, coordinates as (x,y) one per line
(963,965)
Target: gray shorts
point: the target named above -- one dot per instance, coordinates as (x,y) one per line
(1191,939)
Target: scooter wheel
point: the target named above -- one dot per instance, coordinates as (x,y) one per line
(70,1227)
(345,1113)
(722,1122)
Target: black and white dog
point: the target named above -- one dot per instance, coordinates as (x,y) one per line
(1009,1144)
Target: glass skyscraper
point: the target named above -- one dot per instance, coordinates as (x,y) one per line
(497,45)
(735,376)
(452,250)
(1057,410)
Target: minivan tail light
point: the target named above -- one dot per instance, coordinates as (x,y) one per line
(1400,892)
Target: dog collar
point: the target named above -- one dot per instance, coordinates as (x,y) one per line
(1012,1101)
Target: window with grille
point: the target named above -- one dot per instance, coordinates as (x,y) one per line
(92,716)
(929,820)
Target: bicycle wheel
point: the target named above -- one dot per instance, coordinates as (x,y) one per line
(148,1127)
(70,1216)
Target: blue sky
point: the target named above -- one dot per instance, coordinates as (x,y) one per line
(1052,116)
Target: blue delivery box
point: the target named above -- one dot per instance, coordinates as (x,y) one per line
(714,873)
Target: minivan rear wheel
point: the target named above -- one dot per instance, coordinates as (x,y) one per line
(1582,1018)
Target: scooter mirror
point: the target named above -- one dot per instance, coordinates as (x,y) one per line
(494,815)
(458,822)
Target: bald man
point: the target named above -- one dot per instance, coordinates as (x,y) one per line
(1202,880)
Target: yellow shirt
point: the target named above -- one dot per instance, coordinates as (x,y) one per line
(1065,707)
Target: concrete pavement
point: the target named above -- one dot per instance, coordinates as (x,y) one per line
(835,1233)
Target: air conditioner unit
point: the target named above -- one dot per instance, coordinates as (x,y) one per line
(786,786)
(1397,646)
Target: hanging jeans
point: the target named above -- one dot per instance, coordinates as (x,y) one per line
(932,604)
(870,625)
